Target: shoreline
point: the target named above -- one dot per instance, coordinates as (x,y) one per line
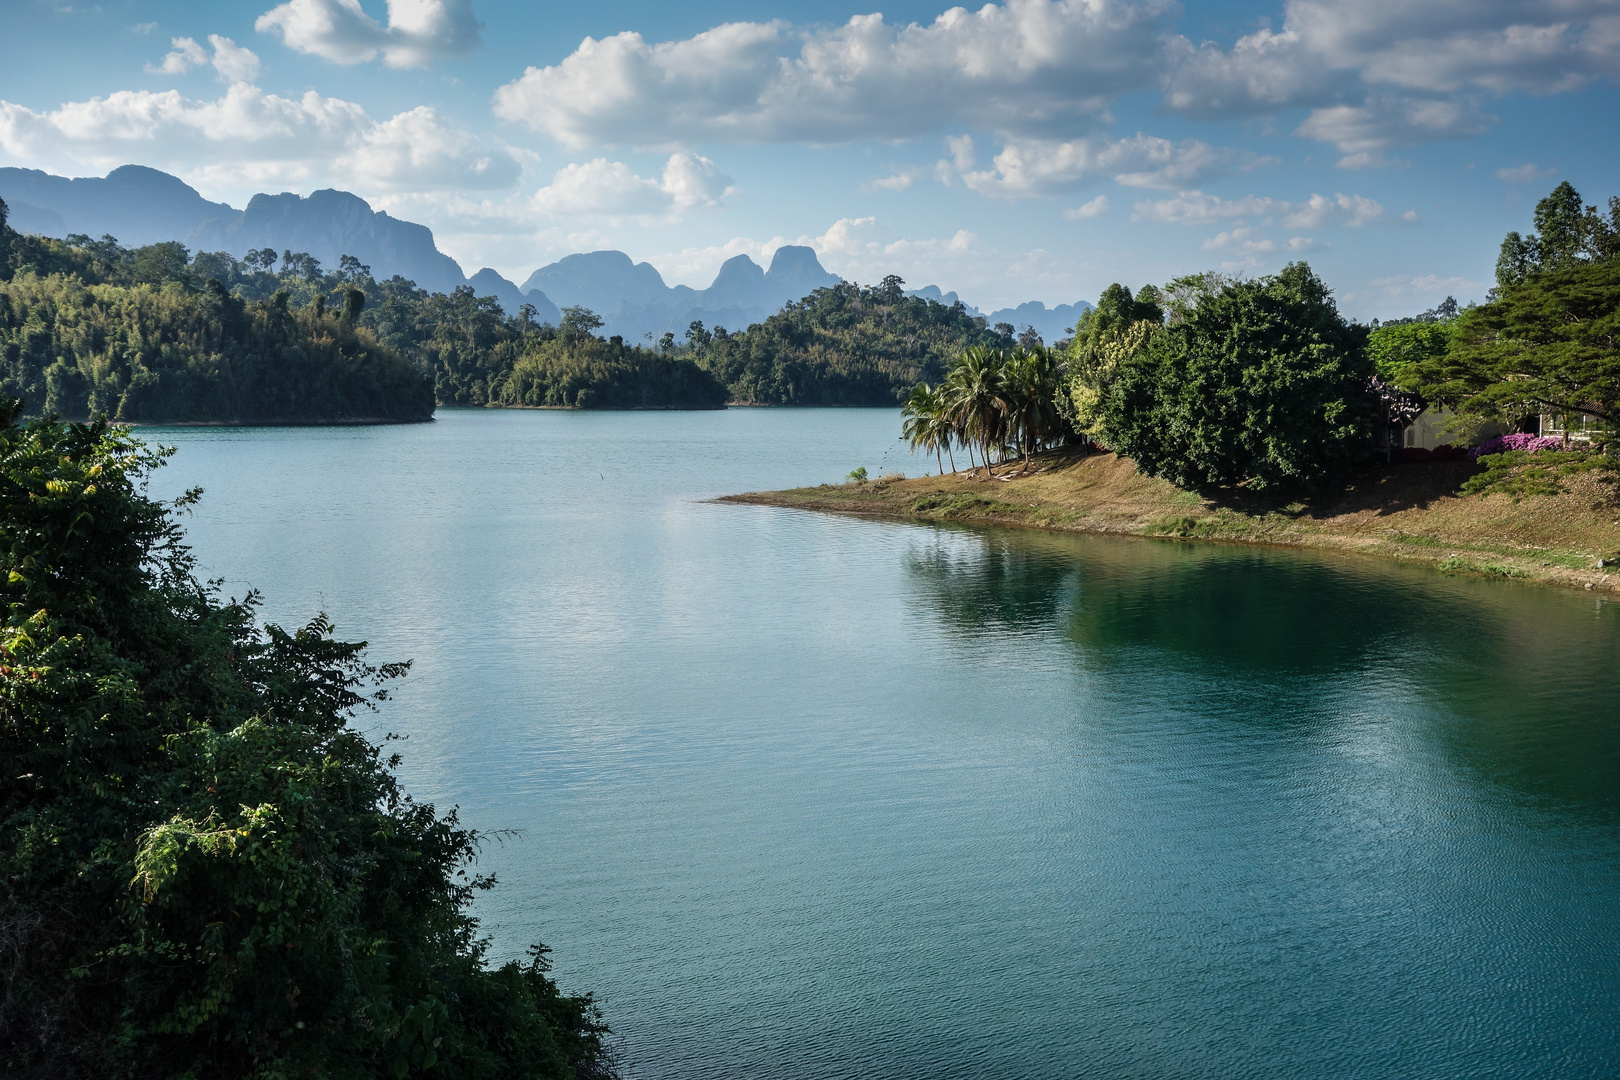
(1407,513)
(361,422)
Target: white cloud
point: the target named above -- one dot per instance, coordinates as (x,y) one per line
(1197,208)
(1261,73)
(1242,238)
(250,139)
(183,55)
(696,182)
(898,180)
(419,149)
(233,62)
(1382,73)
(1350,211)
(1041,167)
(418,31)
(1087,210)
(1025,66)
(611,189)
(1528,173)
(1383,122)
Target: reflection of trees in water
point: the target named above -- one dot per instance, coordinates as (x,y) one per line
(1518,682)
(991,583)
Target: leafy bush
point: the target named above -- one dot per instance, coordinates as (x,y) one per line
(205,871)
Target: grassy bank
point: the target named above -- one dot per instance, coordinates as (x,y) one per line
(1413,513)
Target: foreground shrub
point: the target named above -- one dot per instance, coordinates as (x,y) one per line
(206,871)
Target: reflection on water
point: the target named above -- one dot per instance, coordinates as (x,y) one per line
(806,797)
(1518,681)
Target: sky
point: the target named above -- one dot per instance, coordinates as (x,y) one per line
(1026,150)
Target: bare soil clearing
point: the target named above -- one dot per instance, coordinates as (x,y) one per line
(1412,512)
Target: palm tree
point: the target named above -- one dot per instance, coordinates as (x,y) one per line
(924,428)
(1033,377)
(978,400)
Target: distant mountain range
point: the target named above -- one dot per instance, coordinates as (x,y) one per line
(141,206)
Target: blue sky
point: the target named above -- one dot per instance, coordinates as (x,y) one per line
(1035,149)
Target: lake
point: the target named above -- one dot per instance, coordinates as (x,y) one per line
(801,796)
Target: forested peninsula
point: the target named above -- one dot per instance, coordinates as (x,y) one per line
(1252,410)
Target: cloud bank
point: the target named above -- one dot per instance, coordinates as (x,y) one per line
(418,31)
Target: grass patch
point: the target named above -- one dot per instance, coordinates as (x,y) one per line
(1413,540)
(1181,525)
(1457,566)
(943,504)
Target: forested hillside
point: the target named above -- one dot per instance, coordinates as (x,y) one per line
(88,328)
(155,334)
(843,345)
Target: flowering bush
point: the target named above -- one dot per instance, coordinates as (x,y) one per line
(1516,441)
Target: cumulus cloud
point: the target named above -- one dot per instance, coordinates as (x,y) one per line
(1382,73)
(1261,73)
(1242,238)
(233,62)
(1197,208)
(1330,47)
(248,137)
(1026,167)
(1382,122)
(611,189)
(1085,211)
(418,31)
(1026,66)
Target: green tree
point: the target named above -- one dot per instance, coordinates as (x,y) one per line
(978,401)
(1033,377)
(926,425)
(1549,344)
(843,345)
(205,870)
(1114,329)
(1567,233)
(1258,382)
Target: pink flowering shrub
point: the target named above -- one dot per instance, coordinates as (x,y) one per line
(1517,441)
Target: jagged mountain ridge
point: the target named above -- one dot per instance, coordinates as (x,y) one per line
(1053,324)
(140,205)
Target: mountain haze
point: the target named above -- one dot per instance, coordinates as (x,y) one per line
(140,206)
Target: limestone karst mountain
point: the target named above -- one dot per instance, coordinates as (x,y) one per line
(139,205)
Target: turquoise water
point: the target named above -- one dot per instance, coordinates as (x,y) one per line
(801,796)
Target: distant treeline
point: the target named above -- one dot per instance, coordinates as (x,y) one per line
(91,328)
(843,345)
(156,334)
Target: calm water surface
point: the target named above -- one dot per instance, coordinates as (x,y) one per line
(804,797)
